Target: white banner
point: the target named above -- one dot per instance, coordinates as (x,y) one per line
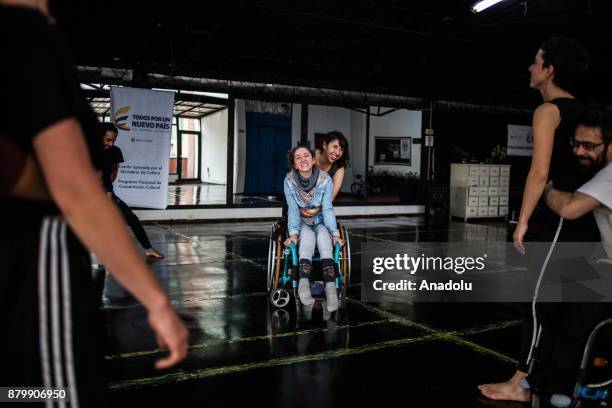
(520,140)
(144,120)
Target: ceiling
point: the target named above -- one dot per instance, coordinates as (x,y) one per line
(434,49)
(189,109)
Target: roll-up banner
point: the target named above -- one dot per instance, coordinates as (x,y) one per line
(144,120)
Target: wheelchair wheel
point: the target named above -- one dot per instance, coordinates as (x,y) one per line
(271,259)
(280,297)
(277,264)
(275,255)
(344,266)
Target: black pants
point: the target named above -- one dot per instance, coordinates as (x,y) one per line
(583,229)
(132,220)
(51,329)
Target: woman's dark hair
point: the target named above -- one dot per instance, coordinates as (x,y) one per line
(345,160)
(291,153)
(569,58)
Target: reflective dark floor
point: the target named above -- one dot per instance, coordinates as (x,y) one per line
(244,352)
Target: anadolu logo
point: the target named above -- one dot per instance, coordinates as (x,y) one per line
(120,118)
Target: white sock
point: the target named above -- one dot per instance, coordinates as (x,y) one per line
(304,292)
(332,296)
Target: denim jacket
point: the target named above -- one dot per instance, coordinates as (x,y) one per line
(322,197)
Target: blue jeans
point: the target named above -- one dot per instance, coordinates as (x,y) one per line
(315,236)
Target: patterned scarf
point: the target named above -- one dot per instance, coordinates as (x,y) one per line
(308,183)
(306,187)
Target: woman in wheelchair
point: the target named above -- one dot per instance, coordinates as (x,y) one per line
(308,187)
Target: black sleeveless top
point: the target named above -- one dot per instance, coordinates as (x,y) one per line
(565,171)
(567,175)
(333,169)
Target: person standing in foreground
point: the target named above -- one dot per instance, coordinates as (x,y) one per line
(51,327)
(557,66)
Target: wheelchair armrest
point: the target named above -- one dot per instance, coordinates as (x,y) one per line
(294,253)
(337,250)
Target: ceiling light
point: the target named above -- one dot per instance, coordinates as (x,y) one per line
(483,5)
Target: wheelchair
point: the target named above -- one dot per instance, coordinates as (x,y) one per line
(593,386)
(282,273)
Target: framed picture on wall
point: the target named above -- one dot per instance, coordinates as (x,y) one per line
(393,150)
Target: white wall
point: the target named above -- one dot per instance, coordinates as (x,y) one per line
(402,122)
(214,148)
(323,119)
(357,143)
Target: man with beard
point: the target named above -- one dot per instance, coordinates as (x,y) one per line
(566,326)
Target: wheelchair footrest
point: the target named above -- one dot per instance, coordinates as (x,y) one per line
(591,394)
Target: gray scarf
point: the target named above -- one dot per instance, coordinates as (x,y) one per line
(306,184)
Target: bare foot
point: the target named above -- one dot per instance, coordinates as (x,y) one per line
(153,253)
(510,390)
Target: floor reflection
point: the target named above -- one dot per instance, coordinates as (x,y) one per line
(243,349)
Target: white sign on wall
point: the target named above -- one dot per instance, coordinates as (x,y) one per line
(144,120)
(520,140)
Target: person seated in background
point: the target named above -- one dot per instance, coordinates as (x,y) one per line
(308,187)
(113,157)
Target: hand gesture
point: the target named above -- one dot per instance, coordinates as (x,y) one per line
(171,333)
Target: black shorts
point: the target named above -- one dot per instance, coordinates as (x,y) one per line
(52,331)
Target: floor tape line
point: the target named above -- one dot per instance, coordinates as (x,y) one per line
(210,372)
(249,339)
(446,335)
(215,371)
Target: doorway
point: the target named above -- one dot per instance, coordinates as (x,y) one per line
(267,142)
(185,152)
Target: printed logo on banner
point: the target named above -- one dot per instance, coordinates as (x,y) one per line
(520,140)
(121,117)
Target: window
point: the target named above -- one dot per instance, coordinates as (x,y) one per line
(393,150)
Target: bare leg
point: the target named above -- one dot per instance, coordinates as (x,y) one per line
(153,253)
(510,390)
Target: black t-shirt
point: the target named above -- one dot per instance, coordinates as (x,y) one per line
(111,157)
(114,155)
(39,89)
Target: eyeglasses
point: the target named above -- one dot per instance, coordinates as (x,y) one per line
(588,146)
